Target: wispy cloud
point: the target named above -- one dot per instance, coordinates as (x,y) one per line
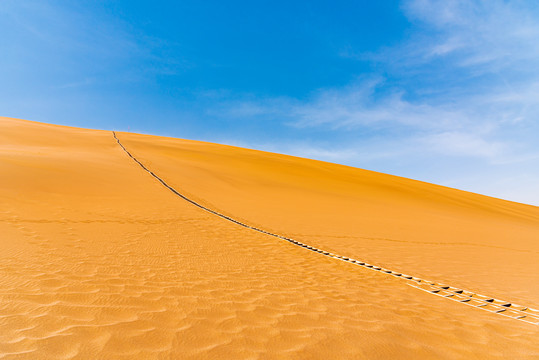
(491,125)
(73,43)
(495,32)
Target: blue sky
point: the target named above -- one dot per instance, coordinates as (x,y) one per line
(437,90)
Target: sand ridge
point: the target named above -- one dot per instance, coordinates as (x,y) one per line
(497,306)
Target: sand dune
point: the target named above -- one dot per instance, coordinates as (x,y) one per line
(100,260)
(398,223)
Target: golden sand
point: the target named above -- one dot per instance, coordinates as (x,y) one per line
(100,260)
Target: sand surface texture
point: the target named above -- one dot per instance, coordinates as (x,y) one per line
(100,260)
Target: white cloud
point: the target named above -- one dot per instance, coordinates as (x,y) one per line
(464,144)
(483,125)
(487,34)
(357,106)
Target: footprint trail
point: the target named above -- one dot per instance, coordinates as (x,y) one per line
(466,297)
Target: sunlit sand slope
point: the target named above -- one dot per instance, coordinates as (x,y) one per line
(468,240)
(100,261)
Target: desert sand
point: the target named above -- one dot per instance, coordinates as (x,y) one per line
(101,260)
